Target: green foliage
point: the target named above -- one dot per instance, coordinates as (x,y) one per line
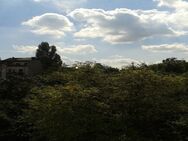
(171,65)
(97,103)
(48,56)
(12,95)
(151,105)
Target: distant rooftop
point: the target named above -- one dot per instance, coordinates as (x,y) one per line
(19,59)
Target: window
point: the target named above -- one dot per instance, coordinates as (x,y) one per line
(20,71)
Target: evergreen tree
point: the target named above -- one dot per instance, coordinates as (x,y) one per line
(48,56)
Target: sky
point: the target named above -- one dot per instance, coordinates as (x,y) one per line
(111,32)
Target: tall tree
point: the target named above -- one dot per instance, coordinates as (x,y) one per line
(48,56)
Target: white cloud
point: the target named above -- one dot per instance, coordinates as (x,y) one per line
(118,61)
(78,49)
(167,48)
(117,26)
(113,61)
(64,52)
(169,3)
(25,49)
(50,24)
(66,5)
(121,25)
(72,50)
(177,4)
(177,19)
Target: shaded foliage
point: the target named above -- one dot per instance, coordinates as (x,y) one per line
(48,56)
(171,65)
(97,103)
(12,94)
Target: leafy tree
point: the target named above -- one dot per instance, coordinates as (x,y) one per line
(151,107)
(96,103)
(89,103)
(12,95)
(48,56)
(171,65)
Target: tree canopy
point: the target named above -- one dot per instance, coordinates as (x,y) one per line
(48,55)
(97,103)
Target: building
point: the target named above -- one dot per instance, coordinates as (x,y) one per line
(19,66)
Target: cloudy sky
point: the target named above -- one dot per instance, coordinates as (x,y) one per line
(113,32)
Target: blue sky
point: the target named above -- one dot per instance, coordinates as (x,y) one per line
(112,32)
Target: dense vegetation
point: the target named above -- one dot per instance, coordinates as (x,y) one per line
(48,56)
(143,103)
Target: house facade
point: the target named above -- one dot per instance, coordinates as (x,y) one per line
(19,66)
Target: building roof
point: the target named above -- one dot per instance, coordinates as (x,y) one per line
(18,59)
